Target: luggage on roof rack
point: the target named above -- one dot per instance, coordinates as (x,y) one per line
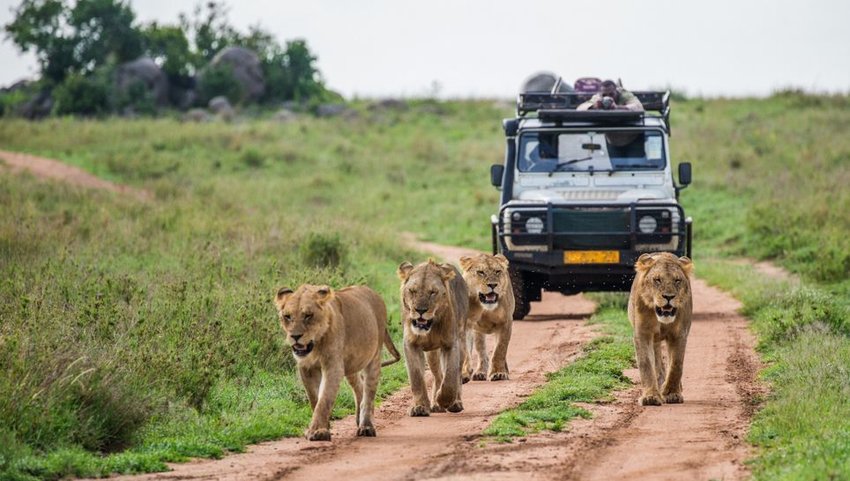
(562,106)
(528,102)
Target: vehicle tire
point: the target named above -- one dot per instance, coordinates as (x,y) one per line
(523,305)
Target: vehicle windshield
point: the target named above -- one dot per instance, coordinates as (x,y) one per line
(586,151)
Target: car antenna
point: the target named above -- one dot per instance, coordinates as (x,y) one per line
(557,85)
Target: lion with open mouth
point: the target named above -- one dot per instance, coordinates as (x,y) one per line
(434,307)
(660,310)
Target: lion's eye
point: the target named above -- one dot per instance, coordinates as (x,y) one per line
(678,281)
(498,273)
(308,316)
(657,281)
(481,273)
(287,318)
(413,291)
(432,293)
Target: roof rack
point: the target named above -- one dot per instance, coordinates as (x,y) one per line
(562,106)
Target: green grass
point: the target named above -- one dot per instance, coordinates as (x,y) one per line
(138,333)
(591,378)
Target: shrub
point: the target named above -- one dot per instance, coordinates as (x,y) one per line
(79,95)
(323,250)
(219,81)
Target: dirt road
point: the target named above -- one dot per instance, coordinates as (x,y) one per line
(55,170)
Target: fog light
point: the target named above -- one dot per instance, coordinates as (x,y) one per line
(647,224)
(534,225)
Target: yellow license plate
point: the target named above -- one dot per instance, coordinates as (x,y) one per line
(591,257)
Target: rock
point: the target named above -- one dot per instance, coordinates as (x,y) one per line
(543,82)
(196,115)
(284,116)
(146,72)
(38,106)
(246,69)
(221,107)
(389,104)
(330,110)
(19,85)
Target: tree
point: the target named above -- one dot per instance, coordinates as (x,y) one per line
(209,29)
(168,46)
(75,40)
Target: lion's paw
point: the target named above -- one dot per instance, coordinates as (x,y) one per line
(674,398)
(479,376)
(455,407)
(465,379)
(499,376)
(318,435)
(650,400)
(436,408)
(367,431)
(418,411)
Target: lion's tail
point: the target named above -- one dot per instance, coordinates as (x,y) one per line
(388,342)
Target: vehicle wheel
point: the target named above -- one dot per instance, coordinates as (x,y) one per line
(523,305)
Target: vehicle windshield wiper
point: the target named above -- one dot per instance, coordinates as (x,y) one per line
(569,162)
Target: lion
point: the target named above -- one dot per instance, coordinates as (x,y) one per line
(434,308)
(491,307)
(335,334)
(660,309)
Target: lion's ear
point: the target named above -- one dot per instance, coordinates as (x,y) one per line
(687,265)
(447,272)
(465,262)
(404,270)
(502,260)
(644,262)
(324,294)
(282,296)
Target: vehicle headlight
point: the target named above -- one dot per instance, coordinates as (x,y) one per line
(647,224)
(534,225)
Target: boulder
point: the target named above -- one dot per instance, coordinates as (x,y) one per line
(330,110)
(221,107)
(246,69)
(147,73)
(38,106)
(285,115)
(196,115)
(543,82)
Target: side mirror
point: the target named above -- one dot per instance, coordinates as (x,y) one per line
(497,171)
(684,173)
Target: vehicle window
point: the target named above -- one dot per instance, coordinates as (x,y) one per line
(584,151)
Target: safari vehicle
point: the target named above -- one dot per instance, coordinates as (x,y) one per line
(584,193)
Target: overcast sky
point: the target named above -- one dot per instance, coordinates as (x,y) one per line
(485,48)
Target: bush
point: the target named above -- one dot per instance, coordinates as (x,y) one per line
(79,95)
(218,81)
(323,250)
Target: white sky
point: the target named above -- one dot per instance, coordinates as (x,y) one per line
(485,48)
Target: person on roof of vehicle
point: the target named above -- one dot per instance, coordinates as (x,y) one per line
(611,97)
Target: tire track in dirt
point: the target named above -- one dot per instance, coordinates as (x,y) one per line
(550,337)
(55,170)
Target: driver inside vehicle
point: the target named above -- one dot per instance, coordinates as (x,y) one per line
(541,154)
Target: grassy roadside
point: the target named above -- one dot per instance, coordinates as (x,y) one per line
(134,334)
(590,378)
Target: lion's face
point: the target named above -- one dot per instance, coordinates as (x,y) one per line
(304,316)
(487,276)
(664,283)
(423,291)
